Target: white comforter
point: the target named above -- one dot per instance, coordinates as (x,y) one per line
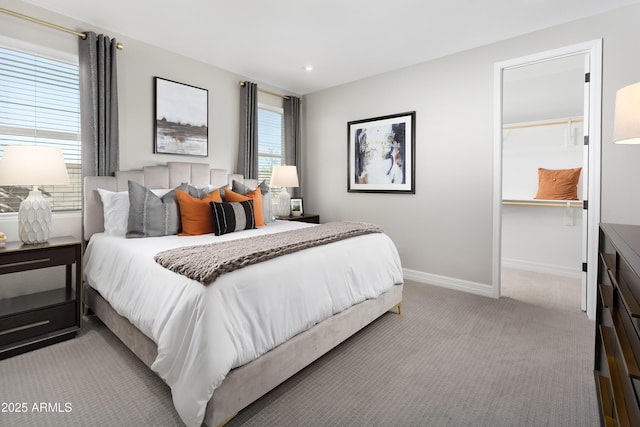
(203,332)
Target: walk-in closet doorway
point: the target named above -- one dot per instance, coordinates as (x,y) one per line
(548,117)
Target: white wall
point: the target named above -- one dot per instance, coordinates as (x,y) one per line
(436,230)
(444,231)
(545,90)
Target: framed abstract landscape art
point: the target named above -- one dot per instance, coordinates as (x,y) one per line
(181,118)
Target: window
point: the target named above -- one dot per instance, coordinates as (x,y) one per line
(40,104)
(270,142)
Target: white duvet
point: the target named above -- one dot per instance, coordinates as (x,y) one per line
(203,332)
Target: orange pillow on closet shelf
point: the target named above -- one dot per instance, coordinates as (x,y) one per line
(195,213)
(255,195)
(558,184)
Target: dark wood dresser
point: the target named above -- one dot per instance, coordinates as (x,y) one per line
(617,341)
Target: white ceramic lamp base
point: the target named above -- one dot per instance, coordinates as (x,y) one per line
(34,218)
(283,208)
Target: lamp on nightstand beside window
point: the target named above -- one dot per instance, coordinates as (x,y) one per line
(626,120)
(284,176)
(33,165)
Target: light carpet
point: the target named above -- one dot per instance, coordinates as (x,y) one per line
(451,359)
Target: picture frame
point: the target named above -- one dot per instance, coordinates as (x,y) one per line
(381,154)
(181,119)
(296,207)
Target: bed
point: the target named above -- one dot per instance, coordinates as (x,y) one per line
(222,346)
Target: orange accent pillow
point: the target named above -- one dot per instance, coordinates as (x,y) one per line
(255,195)
(195,213)
(558,184)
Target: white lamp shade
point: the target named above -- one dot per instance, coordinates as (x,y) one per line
(626,122)
(33,165)
(284,176)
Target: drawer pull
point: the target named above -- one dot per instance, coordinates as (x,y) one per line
(33,261)
(22,328)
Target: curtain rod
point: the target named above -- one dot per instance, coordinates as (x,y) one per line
(269,92)
(119,46)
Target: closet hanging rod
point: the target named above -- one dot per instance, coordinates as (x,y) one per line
(533,125)
(560,204)
(269,92)
(119,46)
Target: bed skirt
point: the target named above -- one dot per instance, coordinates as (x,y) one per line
(247,383)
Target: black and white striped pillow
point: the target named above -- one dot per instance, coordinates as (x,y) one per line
(228,217)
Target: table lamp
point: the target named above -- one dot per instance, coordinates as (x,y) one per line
(284,176)
(626,119)
(33,165)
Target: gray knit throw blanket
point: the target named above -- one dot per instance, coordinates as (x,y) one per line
(204,263)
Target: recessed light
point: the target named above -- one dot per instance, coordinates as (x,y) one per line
(308,67)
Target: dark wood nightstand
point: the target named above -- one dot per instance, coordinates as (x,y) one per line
(38,319)
(311,218)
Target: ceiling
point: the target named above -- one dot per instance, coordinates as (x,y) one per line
(271,41)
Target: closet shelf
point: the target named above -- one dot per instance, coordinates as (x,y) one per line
(548,203)
(523,125)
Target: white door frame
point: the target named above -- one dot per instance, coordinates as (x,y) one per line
(594,51)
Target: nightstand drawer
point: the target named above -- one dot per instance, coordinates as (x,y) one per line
(38,322)
(629,290)
(37,258)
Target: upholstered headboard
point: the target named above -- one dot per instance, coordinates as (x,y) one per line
(161,176)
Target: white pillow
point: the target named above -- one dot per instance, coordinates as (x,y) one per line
(161,191)
(116,210)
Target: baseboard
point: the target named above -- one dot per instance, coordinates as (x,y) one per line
(448,282)
(538,267)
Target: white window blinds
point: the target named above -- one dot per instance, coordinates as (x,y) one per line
(270,143)
(40,104)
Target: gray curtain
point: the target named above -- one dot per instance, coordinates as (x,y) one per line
(248,144)
(293,155)
(98,105)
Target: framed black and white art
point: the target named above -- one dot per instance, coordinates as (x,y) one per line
(181,118)
(381,154)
